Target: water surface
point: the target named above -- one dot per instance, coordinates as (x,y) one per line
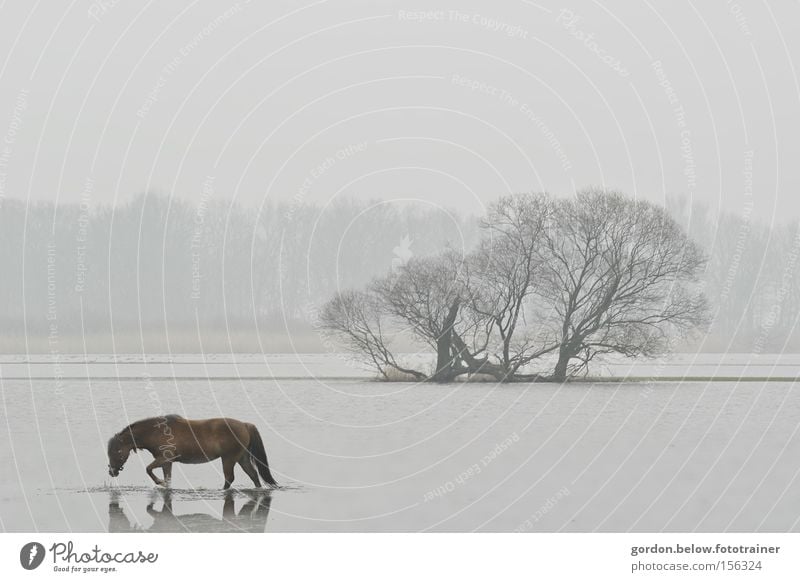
(356,455)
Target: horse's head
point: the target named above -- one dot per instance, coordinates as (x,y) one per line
(119,449)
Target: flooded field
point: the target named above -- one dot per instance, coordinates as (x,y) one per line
(357,455)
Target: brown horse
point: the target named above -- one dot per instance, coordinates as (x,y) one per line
(173,439)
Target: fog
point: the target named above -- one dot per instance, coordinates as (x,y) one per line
(454,106)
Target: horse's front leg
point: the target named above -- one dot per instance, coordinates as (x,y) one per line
(155,465)
(168,473)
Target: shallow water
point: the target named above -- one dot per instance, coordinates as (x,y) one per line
(355,455)
(343,366)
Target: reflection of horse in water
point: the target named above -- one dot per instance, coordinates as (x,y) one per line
(252,517)
(173,439)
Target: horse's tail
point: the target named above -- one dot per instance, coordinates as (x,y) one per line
(259,455)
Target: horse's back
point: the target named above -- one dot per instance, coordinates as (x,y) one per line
(221,421)
(200,426)
(237,428)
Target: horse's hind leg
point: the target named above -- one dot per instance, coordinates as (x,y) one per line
(227,470)
(168,474)
(250,469)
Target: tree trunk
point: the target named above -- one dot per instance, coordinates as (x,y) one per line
(560,372)
(444,344)
(444,361)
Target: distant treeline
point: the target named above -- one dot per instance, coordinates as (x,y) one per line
(752,279)
(165,273)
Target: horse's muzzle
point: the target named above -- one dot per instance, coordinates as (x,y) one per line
(114,472)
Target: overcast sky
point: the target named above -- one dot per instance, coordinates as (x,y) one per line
(316,100)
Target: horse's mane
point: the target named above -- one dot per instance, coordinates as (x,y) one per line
(127,434)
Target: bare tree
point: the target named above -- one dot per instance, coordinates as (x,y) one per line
(358,317)
(620,278)
(431,296)
(592,275)
(506,266)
